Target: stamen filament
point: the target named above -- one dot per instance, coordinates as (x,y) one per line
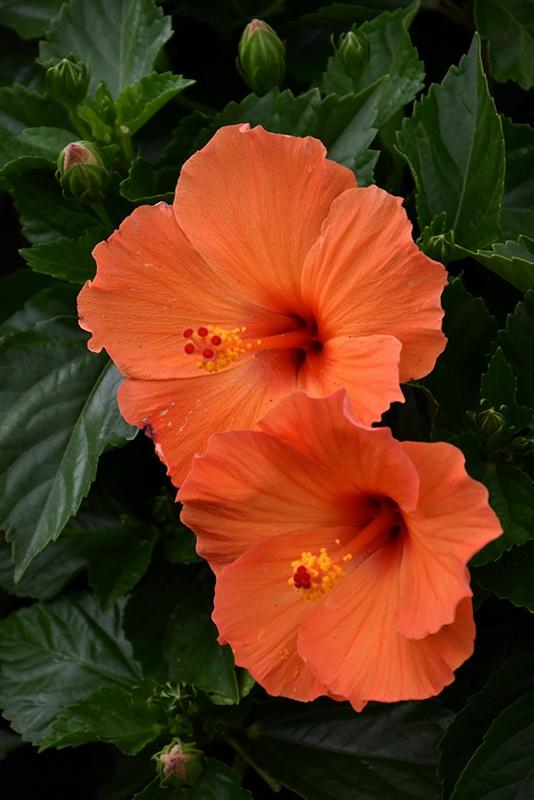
(375,534)
(299,339)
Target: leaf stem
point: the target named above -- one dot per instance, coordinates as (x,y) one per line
(194,105)
(78,124)
(271,783)
(103,215)
(458,15)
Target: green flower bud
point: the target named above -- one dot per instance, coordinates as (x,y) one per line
(261,61)
(179,764)
(81,171)
(490,423)
(67,82)
(353,52)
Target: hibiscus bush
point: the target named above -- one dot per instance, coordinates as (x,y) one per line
(267,433)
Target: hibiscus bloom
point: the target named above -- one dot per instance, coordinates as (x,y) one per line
(340,553)
(272,272)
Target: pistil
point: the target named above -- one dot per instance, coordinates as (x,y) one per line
(216,348)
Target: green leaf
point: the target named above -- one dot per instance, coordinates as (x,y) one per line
(324,751)
(44,213)
(498,390)
(48,573)
(509,27)
(119,41)
(340,16)
(51,303)
(391,55)
(118,558)
(454,146)
(344,124)
(503,766)
(21,108)
(31,149)
(517,212)
(168,622)
(218,782)
(53,655)
(112,714)
(139,102)
(517,342)
(178,542)
(16,288)
(29,18)
(512,498)
(66,259)
(470,330)
(151,182)
(513,261)
(512,576)
(180,548)
(465,733)
(60,412)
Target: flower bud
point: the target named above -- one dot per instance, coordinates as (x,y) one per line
(353,52)
(67,82)
(261,61)
(490,423)
(179,764)
(81,171)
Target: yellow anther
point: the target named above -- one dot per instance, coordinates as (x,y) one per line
(313,575)
(219,348)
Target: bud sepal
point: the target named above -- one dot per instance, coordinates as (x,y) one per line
(81,172)
(261,57)
(179,764)
(67,81)
(353,52)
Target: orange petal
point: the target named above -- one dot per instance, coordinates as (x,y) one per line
(182,414)
(366,253)
(151,285)
(370,459)
(250,486)
(367,367)
(252,203)
(351,642)
(258,613)
(451,523)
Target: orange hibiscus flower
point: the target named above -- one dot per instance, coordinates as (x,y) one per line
(272,272)
(340,553)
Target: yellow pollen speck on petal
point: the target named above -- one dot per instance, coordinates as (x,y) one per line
(284,654)
(314,575)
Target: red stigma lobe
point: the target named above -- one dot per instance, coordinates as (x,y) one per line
(302,578)
(189,348)
(208,352)
(188,333)
(202,331)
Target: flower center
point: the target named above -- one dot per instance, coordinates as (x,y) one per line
(313,575)
(215,348)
